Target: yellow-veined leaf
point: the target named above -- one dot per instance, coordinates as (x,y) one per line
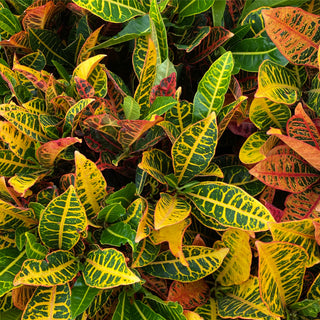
(22,183)
(90,185)
(281,270)
(170,210)
(230,206)
(85,68)
(202,261)
(106,269)
(276,83)
(139,54)
(213,87)
(208,311)
(235,267)
(62,221)
(191,315)
(145,253)
(51,303)
(99,81)
(34,249)
(194,148)
(314,290)
(36,106)
(207,221)
(180,115)
(302,233)
(173,234)
(59,268)
(146,223)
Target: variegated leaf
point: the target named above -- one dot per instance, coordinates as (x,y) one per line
(62,221)
(194,148)
(145,253)
(281,269)
(209,311)
(230,206)
(59,268)
(202,261)
(106,269)
(180,115)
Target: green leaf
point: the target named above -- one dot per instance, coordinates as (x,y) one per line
(192,7)
(213,87)
(131,108)
(9,22)
(49,303)
(114,10)
(194,148)
(143,312)
(34,249)
(11,260)
(81,297)
(58,268)
(123,196)
(208,311)
(281,270)
(62,221)
(160,106)
(34,60)
(230,206)
(306,308)
(123,310)
(111,213)
(180,115)
(145,253)
(106,269)
(202,262)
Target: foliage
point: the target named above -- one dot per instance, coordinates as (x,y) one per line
(159,159)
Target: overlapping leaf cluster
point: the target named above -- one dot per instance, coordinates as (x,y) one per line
(159,159)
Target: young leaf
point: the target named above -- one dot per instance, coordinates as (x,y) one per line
(131,108)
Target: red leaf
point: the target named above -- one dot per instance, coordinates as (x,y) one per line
(167,87)
(276,213)
(84,88)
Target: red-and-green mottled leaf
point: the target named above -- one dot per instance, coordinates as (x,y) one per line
(99,81)
(59,268)
(212,87)
(62,221)
(194,148)
(281,269)
(90,185)
(202,261)
(49,303)
(106,269)
(167,87)
(294,31)
(300,232)
(230,206)
(285,171)
(84,88)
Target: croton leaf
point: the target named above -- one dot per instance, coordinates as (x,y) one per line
(139,54)
(106,269)
(85,68)
(294,31)
(62,221)
(49,303)
(189,8)
(194,148)
(180,115)
(202,261)
(230,206)
(281,269)
(213,87)
(209,311)
(90,185)
(59,268)
(34,249)
(145,253)
(114,11)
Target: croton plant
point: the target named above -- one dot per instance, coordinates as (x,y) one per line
(159,159)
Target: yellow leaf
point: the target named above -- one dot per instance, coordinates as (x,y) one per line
(84,69)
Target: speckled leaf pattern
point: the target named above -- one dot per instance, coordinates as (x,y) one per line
(230,206)
(106,269)
(202,262)
(90,185)
(281,270)
(58,268)
(194,148)
(295,32)
(62,221)
(212,87)
(276,83)
(51,303)
(113,10)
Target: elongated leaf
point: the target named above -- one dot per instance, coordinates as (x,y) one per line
(212,87)
(114,11)
(49,303)
(34,249)
(145,253)
(235,267)
(230,206)
(194,148)
(189,8)
(244,301)
(9,22)
(90,185)
(276,83)
(59,268)
(131,108)
(142,311)
(123,310)
(62,221)
(294,31)
(207,221)
(301,233)
(208,311)
(170,210)
(202,262)
(160,106)
(180,115)
(11,261)
(106,269)
(139,54)
(85,68)
(281,269)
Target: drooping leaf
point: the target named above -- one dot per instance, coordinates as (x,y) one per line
(230,206)
(59,268)
(202,262)
(62,221)
(281,269)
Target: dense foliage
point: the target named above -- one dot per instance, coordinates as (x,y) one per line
(159,159)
